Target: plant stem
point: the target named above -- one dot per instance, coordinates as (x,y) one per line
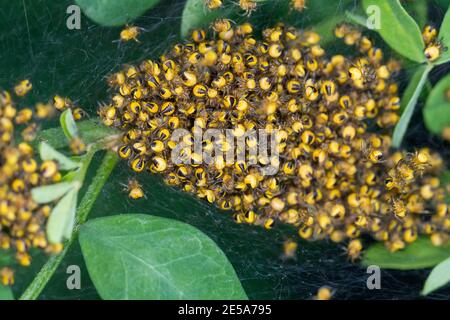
(402,125)
(86,161)
(91,132)
(106,167)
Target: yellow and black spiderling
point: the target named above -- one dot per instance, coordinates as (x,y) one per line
(289,249)
(324,293)
(337,179)
(22,220)
(134,189)
(213,4)
(248,6)
(7,276)
(298,5)
(130,33)
(23,88)
(434,50)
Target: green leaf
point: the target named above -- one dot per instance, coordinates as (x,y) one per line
(409,101)
(197,15)
(436,112)
(418,10)
(438,277)
(145,257)
(411,87)
(399,29)
(418,255)
(114,13)
(6,293)
(46,194)
(444,34)
(68,124)
(70,176)
(91,131)
(40,280)
(445,180)
(356,18)
(62,218)
(6,258)
(47,152)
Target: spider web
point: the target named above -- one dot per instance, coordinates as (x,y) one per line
(36,44)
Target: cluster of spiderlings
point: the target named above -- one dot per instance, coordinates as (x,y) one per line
(336,179)
(22,221)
